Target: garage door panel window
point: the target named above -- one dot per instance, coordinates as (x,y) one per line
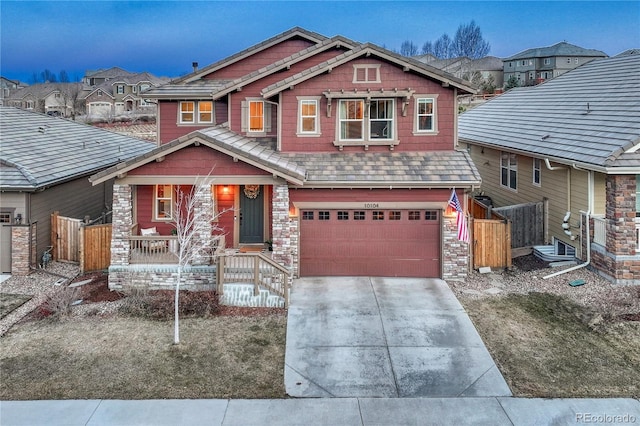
(324,215)
(342,215)
(307,215)
(395,215)
(378,215)
(431,215)
(359,215)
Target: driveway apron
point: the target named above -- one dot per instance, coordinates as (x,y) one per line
(384,337)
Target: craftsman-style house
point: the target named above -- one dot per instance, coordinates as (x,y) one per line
(341,155)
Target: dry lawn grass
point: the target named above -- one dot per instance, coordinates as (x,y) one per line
(548,346)
(132,358)
(9,302)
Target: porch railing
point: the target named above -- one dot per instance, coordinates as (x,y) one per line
(600,230)
(256,269)
(153,249)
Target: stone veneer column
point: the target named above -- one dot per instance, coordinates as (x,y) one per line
(455,262)
(295,239)
(280,226)
(20,249)
(122,221)
(203,210)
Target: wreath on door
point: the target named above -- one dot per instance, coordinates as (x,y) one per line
(251,191)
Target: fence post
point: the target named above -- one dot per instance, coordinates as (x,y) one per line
(256,275)
(54,235)
(81,248)
(220,275)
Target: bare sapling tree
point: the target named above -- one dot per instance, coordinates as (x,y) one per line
(193,217)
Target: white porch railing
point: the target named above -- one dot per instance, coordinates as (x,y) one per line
(153,249)
(600,230)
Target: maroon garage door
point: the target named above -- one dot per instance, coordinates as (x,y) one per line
(386,243)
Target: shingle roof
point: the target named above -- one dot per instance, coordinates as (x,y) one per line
(38,151)
(371,169)
(558,49)
(589,116)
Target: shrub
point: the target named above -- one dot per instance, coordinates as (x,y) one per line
(59,303)
(159,304)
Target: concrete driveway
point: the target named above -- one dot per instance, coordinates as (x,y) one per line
(384,337)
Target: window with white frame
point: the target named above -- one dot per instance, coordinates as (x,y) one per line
(256,116)
(351,119)
(163,202)
(308,120)
(547,61)
(120,89)
(366,73)
(568,60)
(509,170)
(187,112)
(205,112)
(576,60)
(425,115)
(537,171)
(360,121)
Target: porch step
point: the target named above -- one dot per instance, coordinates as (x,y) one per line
(242,295)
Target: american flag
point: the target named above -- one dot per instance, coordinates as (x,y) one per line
(461,219)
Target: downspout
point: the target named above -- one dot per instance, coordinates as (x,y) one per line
(546,162)
(582,265)
(588,233)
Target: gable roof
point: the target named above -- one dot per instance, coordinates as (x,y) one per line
(559,49)
(38,151)
(366,49)
(107,73)
(287,35)
(589,117)
(43,90)
(220,87)
(365,169)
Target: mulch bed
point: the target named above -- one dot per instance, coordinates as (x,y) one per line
(98,289)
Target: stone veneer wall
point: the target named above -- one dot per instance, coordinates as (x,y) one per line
(161,277)
(21,249)
(619,261)
(455,262)
(280,226)
(294,225)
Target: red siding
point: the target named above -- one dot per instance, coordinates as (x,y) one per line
(392,77)
(197,161)
(261,59)
(226,220)
(169,127)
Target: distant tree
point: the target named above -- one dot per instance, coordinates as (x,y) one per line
(63,77)
(442,48)
(511,83)
(47,76)
(488,85)
(469,42)
(408,48)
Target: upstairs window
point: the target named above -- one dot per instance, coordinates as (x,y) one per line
(192,112)
(425,115)
(187,112)
(361,122)
(547,61)
(308,120)
(537,171)
(205,112)
(366,73)
(351,120)
(509,170)
(256,116)
(381,119)
(120,89)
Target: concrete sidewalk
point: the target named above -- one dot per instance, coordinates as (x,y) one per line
(330,411)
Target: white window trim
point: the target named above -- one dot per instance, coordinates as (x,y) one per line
(181,112)
(434,131)
(536,166)
(155,204)
(367,78)
(366,139)
(249,129)
(209,112)
(509,169)
(316,132)
(120,89)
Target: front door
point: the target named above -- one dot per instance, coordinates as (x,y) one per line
(251,214)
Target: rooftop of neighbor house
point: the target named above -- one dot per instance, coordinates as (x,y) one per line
(589,116)
(559,49)
(39,150)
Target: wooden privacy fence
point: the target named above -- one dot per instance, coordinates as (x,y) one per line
(75,240)
(491,243)
(527,223)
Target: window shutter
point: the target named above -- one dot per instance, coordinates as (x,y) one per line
(267,117)
(244,116)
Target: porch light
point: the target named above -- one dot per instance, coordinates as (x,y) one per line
(225,189)
(450,211)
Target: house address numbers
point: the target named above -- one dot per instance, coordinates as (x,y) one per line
(371,205)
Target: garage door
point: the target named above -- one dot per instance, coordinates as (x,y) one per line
(387,243)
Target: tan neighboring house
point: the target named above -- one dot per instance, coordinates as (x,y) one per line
(120,94)
(474,70)
(575,141)
(532,66)
(6,87)
(59,99)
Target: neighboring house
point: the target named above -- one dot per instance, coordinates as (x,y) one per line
(60,99)
(341,154)
(474,70)
(6,87)
(574,140)
(120,94)
(97,77)
(533,66)
(44,165)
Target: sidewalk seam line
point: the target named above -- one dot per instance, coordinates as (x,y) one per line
(93,412)
(386,342)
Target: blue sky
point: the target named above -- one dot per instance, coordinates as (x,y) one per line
(165,37)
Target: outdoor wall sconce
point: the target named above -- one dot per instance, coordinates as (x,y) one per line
(225,189)
(19,218)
